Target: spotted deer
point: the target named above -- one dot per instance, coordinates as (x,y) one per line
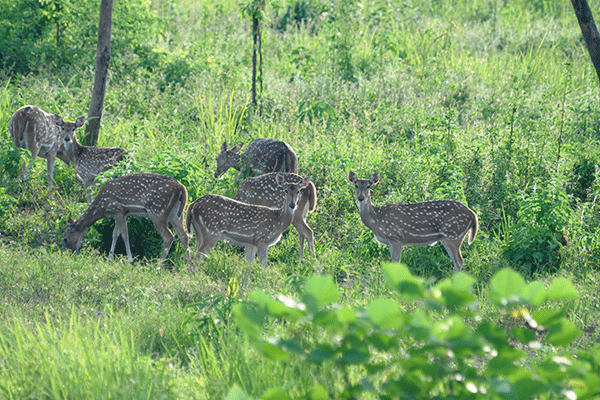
(398,225)
(90,161)
(263,190)
(160,198)
(43,135)
(260,157)
(214,218)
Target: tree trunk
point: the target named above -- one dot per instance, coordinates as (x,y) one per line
(589,31)
(257,60)
(102,63)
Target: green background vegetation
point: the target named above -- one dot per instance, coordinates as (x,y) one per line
(491,102)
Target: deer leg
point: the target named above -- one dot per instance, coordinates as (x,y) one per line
(305,233)
(121,223)
(26,169)
(250,254)
(262,254)
(396,252)
(50,167)
(453,250)
(115,236)
(208,242)
(165,233)
(183,236)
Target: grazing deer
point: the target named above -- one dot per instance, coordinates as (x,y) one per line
(260,157)
(42,134)
(215,217)
(158,197)
(90,161)
(264,191)
(397,225)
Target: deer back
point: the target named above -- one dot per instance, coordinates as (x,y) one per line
(434,220)
(269,155)
(141,194)
(264,190)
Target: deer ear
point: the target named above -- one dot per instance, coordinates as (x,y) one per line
(352,177)
(59,122)
(279,179)
(224,147)
(374,178)
(305,182)
(80,121)
(236,148)
(70,222)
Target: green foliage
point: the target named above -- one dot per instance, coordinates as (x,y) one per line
(477,101)
(534,242)
(62,34)
(432,341)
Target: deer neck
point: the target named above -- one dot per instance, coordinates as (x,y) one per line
(286,214)
(236,161)
(74,150)
(367,210)
(91,215)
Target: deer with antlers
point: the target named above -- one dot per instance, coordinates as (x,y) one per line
(260,157)
(265,191)
(43,135)
(160,198)
(214,218)
(90,161)
(398,225)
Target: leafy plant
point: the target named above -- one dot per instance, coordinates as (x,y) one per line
(535,240)
(428,342)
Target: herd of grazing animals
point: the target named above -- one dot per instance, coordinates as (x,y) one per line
(263,208)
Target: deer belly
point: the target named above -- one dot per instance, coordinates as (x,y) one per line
(243,239)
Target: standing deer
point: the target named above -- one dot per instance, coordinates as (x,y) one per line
(397,225)
(158,197)
(42,134)
(89,161)
(215,218)
(260,157)
(265,191)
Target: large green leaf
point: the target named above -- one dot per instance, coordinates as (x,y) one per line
(401,280)
(385,313)
(276,394)
(561,289)
(272,350)
(320,291)
(250,319)
(506,287)
(237,393)
(562,333)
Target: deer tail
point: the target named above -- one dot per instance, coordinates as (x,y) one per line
(291,161)
(474,228)
(312,197)
(188,218)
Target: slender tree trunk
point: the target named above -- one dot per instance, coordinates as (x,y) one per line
(257,59)
(589,31)
(102,64)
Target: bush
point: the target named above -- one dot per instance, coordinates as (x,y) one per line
(433,343)
(535,240)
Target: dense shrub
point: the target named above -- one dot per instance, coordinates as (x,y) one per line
(533,243)
(426,342)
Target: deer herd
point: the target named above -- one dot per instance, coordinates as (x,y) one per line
(270,198)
